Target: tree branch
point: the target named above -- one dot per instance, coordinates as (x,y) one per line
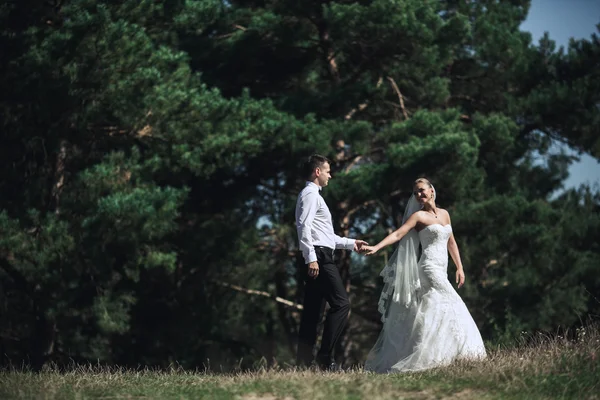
(328,52)
(59,176)
(355,209)
(400,97)
(352,164)
(260,293)
(361,106)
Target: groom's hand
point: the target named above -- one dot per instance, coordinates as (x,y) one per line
(313,269)
(358,244)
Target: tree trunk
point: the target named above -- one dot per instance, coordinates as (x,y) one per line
(284,313)
(59,177)
(328,53)
(43,340)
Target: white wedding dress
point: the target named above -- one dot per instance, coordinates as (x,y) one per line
(436,328)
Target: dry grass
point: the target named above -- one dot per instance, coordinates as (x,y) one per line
(544,367)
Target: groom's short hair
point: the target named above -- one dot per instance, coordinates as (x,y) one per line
(313,162)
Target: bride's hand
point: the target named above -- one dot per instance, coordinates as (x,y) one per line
(368,250)
(460,277)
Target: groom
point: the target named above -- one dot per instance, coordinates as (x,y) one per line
(322,278)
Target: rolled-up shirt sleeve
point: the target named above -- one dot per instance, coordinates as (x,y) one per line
(307,209)
(344,243)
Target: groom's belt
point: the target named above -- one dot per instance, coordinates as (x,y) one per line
(329,249)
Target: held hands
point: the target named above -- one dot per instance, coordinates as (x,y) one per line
(460,277)
(359,245)
(368,250)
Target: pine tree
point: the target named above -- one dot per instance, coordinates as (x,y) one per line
(151,153)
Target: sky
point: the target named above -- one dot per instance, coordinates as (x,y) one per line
(563,19)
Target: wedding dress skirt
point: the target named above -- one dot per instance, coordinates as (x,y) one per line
(434,330)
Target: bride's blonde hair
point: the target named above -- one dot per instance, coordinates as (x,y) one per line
(423,180)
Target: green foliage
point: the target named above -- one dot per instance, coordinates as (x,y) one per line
(150,168)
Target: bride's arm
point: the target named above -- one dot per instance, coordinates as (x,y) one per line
(455,254)
(393,237)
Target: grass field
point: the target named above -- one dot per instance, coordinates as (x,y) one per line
(544,368)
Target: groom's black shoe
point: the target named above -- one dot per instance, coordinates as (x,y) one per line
(327,364)
(331,367)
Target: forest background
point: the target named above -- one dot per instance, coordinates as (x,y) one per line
(150,167)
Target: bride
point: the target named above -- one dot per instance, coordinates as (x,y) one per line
(425,322)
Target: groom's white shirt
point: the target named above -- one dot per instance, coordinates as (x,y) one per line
(314,226)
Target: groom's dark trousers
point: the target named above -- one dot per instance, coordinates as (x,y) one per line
(327,286)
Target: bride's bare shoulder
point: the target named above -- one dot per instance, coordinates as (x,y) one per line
(444,213)
(417,217)
(420,214)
